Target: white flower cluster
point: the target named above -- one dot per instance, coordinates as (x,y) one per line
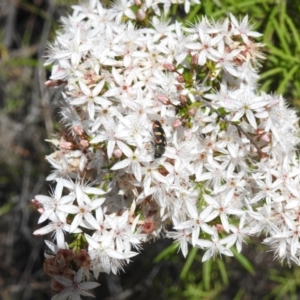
(167,133)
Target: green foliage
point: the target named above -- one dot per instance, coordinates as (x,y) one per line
(287,281)
(203,280)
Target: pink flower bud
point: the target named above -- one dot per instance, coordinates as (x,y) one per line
(137,2)
(177,123)
(38,206)
(78,130)
(180,78)
(265,137)
(192,111)
(163,99)
(35,202)
(66,145)
(195,59)
(117,153)
(84,143)
(41,210)
(220,228)
(50,83)
(169,67)
(182,99)
(140,14)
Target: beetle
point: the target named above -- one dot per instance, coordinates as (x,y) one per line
(160,141)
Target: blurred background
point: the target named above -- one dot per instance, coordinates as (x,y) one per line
(28,117)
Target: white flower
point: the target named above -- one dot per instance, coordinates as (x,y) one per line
(203,46)
(91,97)
(122,8)
(225,60)
(214,247)
(61,165)
(121,232)
(83,209)
(132,162)
(104,257)
(198,221)
(52,205)
(182,237)
(243,29)
(238,236)
(74,288)
(59,227)
(247,105)
(223,208)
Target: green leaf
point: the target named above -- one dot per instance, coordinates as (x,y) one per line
(6,208)
(239,295)
(266,85)
(192,14)
(165,254)
(270,73)
(243,261)
(188,263)
(293,30)
(223,271)
(207,266)
(288,77)
(281,36)
(281,54)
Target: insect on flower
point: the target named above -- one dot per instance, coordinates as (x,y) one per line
(160,142)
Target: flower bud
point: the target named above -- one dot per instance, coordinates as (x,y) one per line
(180,78)
(195,59)
(177,123)
(50,83)
(78,130)
(182,99)
(84,143)
(38,206)
(41,210)
(163,99)
(66,145)
(140,14)
(117,153)
(192,111)
(263,135)
(169,67)
(220,228)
